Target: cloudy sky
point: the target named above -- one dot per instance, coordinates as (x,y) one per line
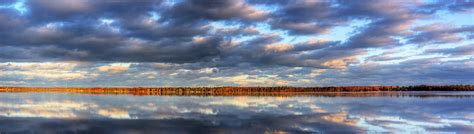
(235,42)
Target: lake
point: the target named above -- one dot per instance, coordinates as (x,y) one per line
(404,112)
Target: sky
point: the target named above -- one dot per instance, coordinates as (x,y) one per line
(117,43)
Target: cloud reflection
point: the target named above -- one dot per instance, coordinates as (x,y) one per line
(46,112)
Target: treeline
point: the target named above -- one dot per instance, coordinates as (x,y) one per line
(230,91)
(438,88)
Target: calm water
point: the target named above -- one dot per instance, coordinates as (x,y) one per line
(82,113)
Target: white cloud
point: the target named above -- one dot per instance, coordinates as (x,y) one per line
(251,80)
(114,68)
(48,70)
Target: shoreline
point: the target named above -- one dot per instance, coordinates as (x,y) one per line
(244,91)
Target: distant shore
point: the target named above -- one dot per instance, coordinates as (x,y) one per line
(236,91)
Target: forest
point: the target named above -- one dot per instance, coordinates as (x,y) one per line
(236,91)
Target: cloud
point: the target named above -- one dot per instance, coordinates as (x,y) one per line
(278,47)
(439,34)
(466,50)
(248,80)
(305,17)
(409,72)
(178,39)
(240,31)
(49,71)
(196,10)
(113,69)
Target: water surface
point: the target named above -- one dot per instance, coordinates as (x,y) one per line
(411,112)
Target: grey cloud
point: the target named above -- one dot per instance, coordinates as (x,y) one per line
(387,56)
(196,10)
(318,17)
(57,10)
(9,53)
(466,50)
(265,51)
(305,17)
(10,20)
(240,31)
(455,5)
(188,35)
(7,2)
(387,22)
(77,27)
(379,34)
(384,58)
(269,2)
(439,34)
(310,46)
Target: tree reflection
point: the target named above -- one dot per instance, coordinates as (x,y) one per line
(351,91)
